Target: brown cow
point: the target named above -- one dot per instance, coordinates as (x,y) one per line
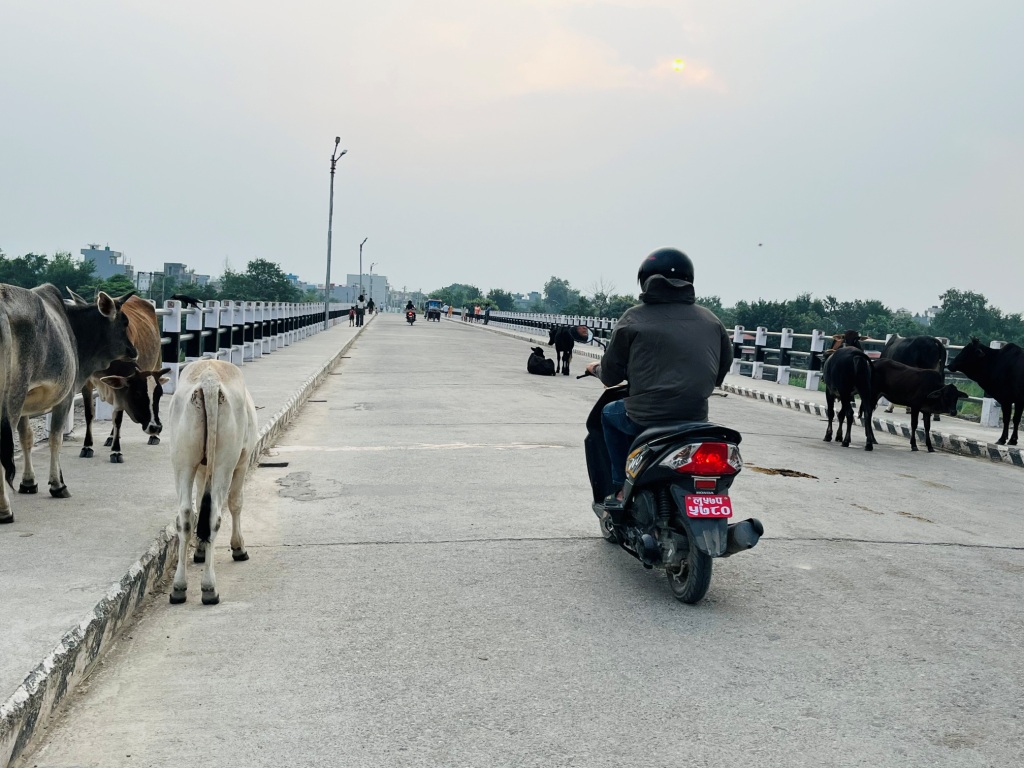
(131,387)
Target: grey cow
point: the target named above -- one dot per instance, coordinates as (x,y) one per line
(47,351)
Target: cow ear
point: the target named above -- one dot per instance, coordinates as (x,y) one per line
(79,301)
(115,382)
(105,304)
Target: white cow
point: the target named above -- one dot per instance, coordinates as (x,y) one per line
(213,431)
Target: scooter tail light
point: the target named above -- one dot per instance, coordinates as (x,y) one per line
(707,459)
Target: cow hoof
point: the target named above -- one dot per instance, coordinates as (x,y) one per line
(177,598)
(86,453)
(116,458)
(8,518)
(239,556)
(210,598)
(108,442)
(869,447)
(198,557)
(1013,442)
(913,447)
(28,488)
(930,449)
(154,440)
(60,493)
(1000,441)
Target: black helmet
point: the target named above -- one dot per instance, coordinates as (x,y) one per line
(669,262)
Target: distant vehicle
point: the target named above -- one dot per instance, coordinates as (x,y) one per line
(433,309)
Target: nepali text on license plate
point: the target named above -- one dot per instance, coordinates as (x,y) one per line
(708,506)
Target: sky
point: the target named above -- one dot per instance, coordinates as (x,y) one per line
(854,148)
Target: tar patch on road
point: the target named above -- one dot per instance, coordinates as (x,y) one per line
(782,472)
(301,486)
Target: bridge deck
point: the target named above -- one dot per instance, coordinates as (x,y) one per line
(427,587)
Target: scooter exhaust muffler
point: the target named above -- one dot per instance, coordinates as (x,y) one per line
(742,536)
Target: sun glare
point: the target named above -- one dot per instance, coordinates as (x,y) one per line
(678,65)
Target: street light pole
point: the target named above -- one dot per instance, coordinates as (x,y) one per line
(361,265)
(372,265)
(335,156)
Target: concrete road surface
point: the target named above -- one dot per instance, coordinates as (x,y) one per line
(427,588)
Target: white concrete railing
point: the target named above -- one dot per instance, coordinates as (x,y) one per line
(236,331)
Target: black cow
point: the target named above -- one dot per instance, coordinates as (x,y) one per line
(48,349)
(847,371)
(918,352)
(540,365)
(923,391)
(1000,372)
(564,340)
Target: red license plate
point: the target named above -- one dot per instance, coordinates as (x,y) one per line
(708,506)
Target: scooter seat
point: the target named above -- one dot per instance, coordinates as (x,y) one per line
(688,430)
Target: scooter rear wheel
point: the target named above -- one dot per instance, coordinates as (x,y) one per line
(691,582)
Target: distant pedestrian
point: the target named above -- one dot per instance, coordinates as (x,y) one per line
(351,316)
(487,315)
(476,313)
(360,309)
(370,306)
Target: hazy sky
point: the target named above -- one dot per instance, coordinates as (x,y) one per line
(875,149)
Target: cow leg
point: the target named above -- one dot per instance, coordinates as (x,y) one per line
(869,433)
(238,551)
(1007,409)
(1018,408)
(184,479)
(56,480)
(218,484)
(847,411)
(913,428)
(89,408)
(928,431)
(568,359)
(115,450)
(830,411)
(28,474)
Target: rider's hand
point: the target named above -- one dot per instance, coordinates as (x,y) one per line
(592,367)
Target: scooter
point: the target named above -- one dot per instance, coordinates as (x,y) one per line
(410,316)
(676,508)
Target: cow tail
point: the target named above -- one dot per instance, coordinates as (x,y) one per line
(210,398)
(862,375)
(6,430)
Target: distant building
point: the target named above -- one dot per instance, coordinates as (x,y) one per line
(107,263)
(374,286)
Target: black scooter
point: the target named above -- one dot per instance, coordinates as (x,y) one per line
(676,506)
(410,316)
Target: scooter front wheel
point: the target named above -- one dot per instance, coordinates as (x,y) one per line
(691,582)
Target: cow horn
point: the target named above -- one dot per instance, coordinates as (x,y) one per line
(79,301)
(122,299)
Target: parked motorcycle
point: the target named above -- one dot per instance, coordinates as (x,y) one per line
(410,316)
(676,506)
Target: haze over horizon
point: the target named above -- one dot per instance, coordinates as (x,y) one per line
(864,149)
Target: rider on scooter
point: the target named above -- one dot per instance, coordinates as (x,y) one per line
(673,352)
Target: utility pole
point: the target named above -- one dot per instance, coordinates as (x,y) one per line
(361,265)
(335,157)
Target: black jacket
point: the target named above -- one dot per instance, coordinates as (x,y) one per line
(672,351)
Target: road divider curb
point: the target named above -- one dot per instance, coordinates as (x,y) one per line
(40,695)
(963,446)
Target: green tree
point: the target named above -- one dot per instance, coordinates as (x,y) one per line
(503,300)
(457,294)
(966,314)
(262,280)
(618,304)
(25,271)
(64,271)
(558,295)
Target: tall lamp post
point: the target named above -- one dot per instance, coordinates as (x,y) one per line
(361,264)
(372,265)
(335,157)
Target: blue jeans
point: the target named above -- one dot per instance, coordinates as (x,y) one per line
(619,431)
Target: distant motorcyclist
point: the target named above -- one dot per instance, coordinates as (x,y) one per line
(672,351)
